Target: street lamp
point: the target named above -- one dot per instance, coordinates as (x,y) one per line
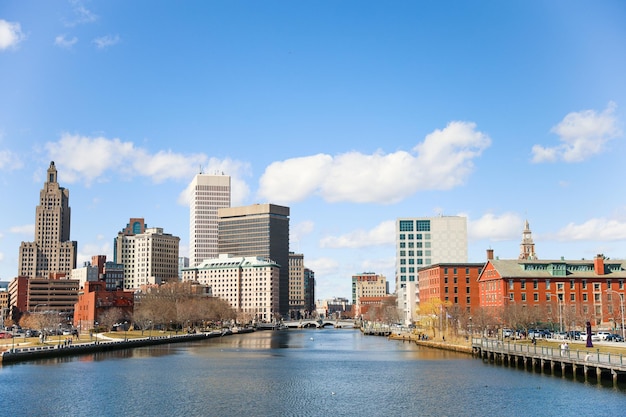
(621,296)
(125,331)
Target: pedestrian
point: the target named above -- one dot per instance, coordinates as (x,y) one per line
(534,341)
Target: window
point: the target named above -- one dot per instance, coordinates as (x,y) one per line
(596,286)
(572,285)
(406,225)
(402,261)
(560,286)
(402,253)
(536,296)
(596,297)
(402,236)
(402,244)
(584,284)
(423,225)
(547,284)
(511,284)
(535,284)
(455,271)
(523,296)
(572,297)
(523,284)
(445,270)
(585,297)
(410,236)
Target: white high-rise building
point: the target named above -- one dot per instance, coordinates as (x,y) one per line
(208,193)
(424,241)
(150,257)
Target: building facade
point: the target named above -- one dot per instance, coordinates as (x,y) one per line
(51,253)
(249,284)
(149,257)
(296,286)
(421,242)
(309,292)
(567,292)
(454,284)
(208,194)
(35,294)
(94,300)
(259,230)
(367,285)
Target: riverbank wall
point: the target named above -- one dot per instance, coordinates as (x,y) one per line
(442,345)
(42,352)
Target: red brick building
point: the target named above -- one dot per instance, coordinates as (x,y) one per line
(571,292)
(456,283)
(95,300)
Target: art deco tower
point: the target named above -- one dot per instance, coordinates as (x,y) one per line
(52,254)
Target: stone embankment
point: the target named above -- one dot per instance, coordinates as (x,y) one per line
(443,345)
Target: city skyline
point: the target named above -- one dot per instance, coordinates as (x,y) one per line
(352,115)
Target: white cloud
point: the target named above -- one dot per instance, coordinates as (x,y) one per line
(88,159)
(9,161)
(496,228)
(104,42)
(87,250)
(383,234)
(63,42)
(582,135)
(10,34)
(322,266)
(593,230)
(442,161)
(27,229)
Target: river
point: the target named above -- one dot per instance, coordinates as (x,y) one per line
(331,372)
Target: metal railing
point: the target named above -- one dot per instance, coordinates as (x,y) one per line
(594,357)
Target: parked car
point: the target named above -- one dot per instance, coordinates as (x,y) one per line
(595,337)
(603,335)
(5,335)
(573,335)
(507,332)
(614,337)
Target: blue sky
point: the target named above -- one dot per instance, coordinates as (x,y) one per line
(352,113)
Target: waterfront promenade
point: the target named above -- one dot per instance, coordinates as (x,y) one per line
(26,351)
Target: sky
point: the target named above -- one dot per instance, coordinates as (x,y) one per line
(352,113)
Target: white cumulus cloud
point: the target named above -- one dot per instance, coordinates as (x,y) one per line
(506,226)
(63,42)
(90,159)
(600,229)
(10,34)
(442,161)
(582,135)
(382,234)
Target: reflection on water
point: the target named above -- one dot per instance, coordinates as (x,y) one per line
(291,373)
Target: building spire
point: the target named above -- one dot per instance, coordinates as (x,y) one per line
(527,247)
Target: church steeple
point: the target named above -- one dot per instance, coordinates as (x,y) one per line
(527,247)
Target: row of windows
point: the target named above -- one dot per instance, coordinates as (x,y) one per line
(560,286)
(412,236)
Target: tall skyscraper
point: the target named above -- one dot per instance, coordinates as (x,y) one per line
(52,254)
(423,241)
(258,230)
(208,194)
(149,256)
